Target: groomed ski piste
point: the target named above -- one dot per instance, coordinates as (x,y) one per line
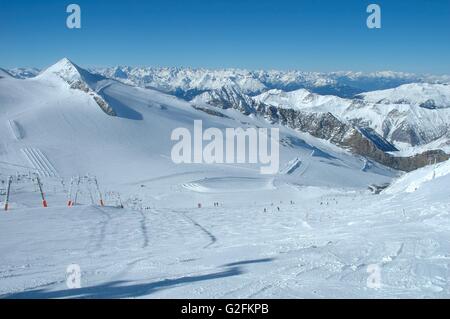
(313,231)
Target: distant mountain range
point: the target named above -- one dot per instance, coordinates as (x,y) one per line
(188,82)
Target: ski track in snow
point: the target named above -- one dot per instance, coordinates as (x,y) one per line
(99,233)
(39,161)
(16,130)
(212,238)
(144,229)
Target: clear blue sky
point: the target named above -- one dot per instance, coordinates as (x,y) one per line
(311,35)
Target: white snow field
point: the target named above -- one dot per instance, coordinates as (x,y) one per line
(311,231)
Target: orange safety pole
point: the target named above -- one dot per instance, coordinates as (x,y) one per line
(69,201)
(44,202)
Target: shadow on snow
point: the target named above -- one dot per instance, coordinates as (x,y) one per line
(120,289)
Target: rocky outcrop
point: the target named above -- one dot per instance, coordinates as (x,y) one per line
(210,111)
(104,106)
(227,97)
(82,86)
(412,163)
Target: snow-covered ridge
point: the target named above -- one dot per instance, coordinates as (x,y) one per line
(413,181)
(301,99)
(70,73)
(63,69)
(420,94)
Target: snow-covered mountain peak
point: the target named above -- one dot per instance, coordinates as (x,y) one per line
(426,95)
(64,62)
(72,74)
(64,69)
(299,99)
(299,94)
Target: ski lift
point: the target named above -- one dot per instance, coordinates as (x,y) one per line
(36,181)
(81,184)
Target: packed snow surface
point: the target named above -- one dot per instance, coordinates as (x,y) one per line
(166,247)
(413,181)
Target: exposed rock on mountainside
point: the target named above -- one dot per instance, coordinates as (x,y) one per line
(412,163)
(104,105)
(209,111)
(228,97)
(355,135)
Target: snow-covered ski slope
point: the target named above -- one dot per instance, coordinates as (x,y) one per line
(432,174)
(311,232)
(319,246)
